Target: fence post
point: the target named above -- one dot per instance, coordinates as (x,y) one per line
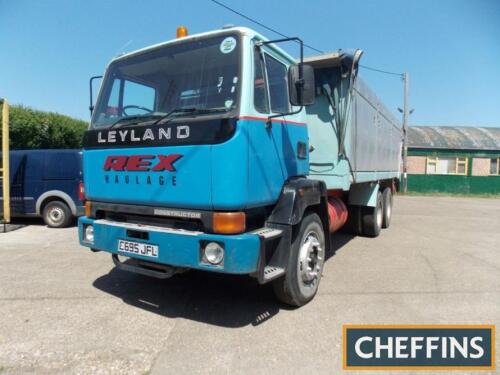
(5,161)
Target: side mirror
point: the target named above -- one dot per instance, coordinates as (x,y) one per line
(302,91)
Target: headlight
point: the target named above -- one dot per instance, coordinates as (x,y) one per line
(214,253)
(89,233)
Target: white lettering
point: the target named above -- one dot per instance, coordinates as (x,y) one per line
(454,344)
(414,346)
(162,133)
(478,348)
(133,138)
(99,138)
(357,347)
(444,348)
(430,346)
(123,134)
(379,347)
(148,134)
(112,136)
(400,347)
(183,131)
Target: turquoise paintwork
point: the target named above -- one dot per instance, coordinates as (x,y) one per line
(241,251)
(248,170)
(364,194)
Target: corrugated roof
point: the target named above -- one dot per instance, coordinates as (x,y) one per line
(454,137)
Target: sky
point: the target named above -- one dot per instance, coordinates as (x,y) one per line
(451,48)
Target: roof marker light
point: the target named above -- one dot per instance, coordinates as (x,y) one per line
(181,32)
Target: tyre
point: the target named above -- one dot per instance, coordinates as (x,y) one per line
(56,214)
(373,217)
(387,207)
(353,225)
(305,264)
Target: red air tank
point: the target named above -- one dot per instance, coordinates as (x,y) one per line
(337,211)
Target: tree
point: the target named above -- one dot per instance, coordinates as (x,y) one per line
(33,129)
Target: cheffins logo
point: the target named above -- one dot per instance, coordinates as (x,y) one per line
(418,347)
(140,163)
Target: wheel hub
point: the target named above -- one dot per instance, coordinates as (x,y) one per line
(311,258)
(56,215)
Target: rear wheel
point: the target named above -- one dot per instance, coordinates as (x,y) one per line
(387,204)
(56,214)
(373,218)
(354,223)
(305,264)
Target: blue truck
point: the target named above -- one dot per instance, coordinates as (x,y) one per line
(221,152)
(47,184)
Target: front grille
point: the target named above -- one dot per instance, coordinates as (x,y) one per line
(186,224)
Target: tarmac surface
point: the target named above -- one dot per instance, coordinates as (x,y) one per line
(66,310)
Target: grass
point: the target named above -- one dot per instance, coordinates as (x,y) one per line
(457,195)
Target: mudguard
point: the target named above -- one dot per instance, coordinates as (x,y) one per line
(297,196)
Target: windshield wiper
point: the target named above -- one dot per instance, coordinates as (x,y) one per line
(166,115)
(128,118)
(190,110)
(173,111)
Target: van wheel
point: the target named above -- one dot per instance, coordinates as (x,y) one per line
(57,214)
(387,204)
(373,218)
(305,264)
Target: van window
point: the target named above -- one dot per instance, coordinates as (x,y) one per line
(278,86)
(260,100)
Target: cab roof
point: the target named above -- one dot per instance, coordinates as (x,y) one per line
(245,31)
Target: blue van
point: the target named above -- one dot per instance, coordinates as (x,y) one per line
(46,183)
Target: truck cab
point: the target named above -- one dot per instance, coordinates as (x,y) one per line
(223,155)
(197,157)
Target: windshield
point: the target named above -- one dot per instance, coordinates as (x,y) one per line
(201,75)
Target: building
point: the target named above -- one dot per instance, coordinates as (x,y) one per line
(454,159)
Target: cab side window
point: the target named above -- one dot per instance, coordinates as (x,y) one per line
(278,86)
(260,99)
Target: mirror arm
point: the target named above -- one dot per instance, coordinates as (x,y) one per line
(91,106)
(269,123)
(300,81)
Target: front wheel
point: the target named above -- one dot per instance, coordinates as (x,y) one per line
(305,264)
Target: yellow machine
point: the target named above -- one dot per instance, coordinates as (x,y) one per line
(4,167)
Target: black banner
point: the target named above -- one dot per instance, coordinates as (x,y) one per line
(179,133)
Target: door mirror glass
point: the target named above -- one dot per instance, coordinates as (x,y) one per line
(302,92)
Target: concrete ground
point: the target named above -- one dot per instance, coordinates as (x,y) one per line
(66,310)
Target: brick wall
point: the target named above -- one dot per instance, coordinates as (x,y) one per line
(481,166)
(417,164)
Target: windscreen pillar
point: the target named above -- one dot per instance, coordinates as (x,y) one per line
(4,168)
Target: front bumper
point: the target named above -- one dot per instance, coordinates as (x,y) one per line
(178,248)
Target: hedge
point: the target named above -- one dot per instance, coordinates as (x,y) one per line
(33,129)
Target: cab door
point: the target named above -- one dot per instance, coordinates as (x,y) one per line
(274,142)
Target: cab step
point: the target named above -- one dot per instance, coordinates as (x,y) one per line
(271,273)
(274,247)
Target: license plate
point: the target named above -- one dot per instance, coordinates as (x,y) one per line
(138,248)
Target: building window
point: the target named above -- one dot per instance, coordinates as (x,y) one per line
(437,165)
(495,166)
